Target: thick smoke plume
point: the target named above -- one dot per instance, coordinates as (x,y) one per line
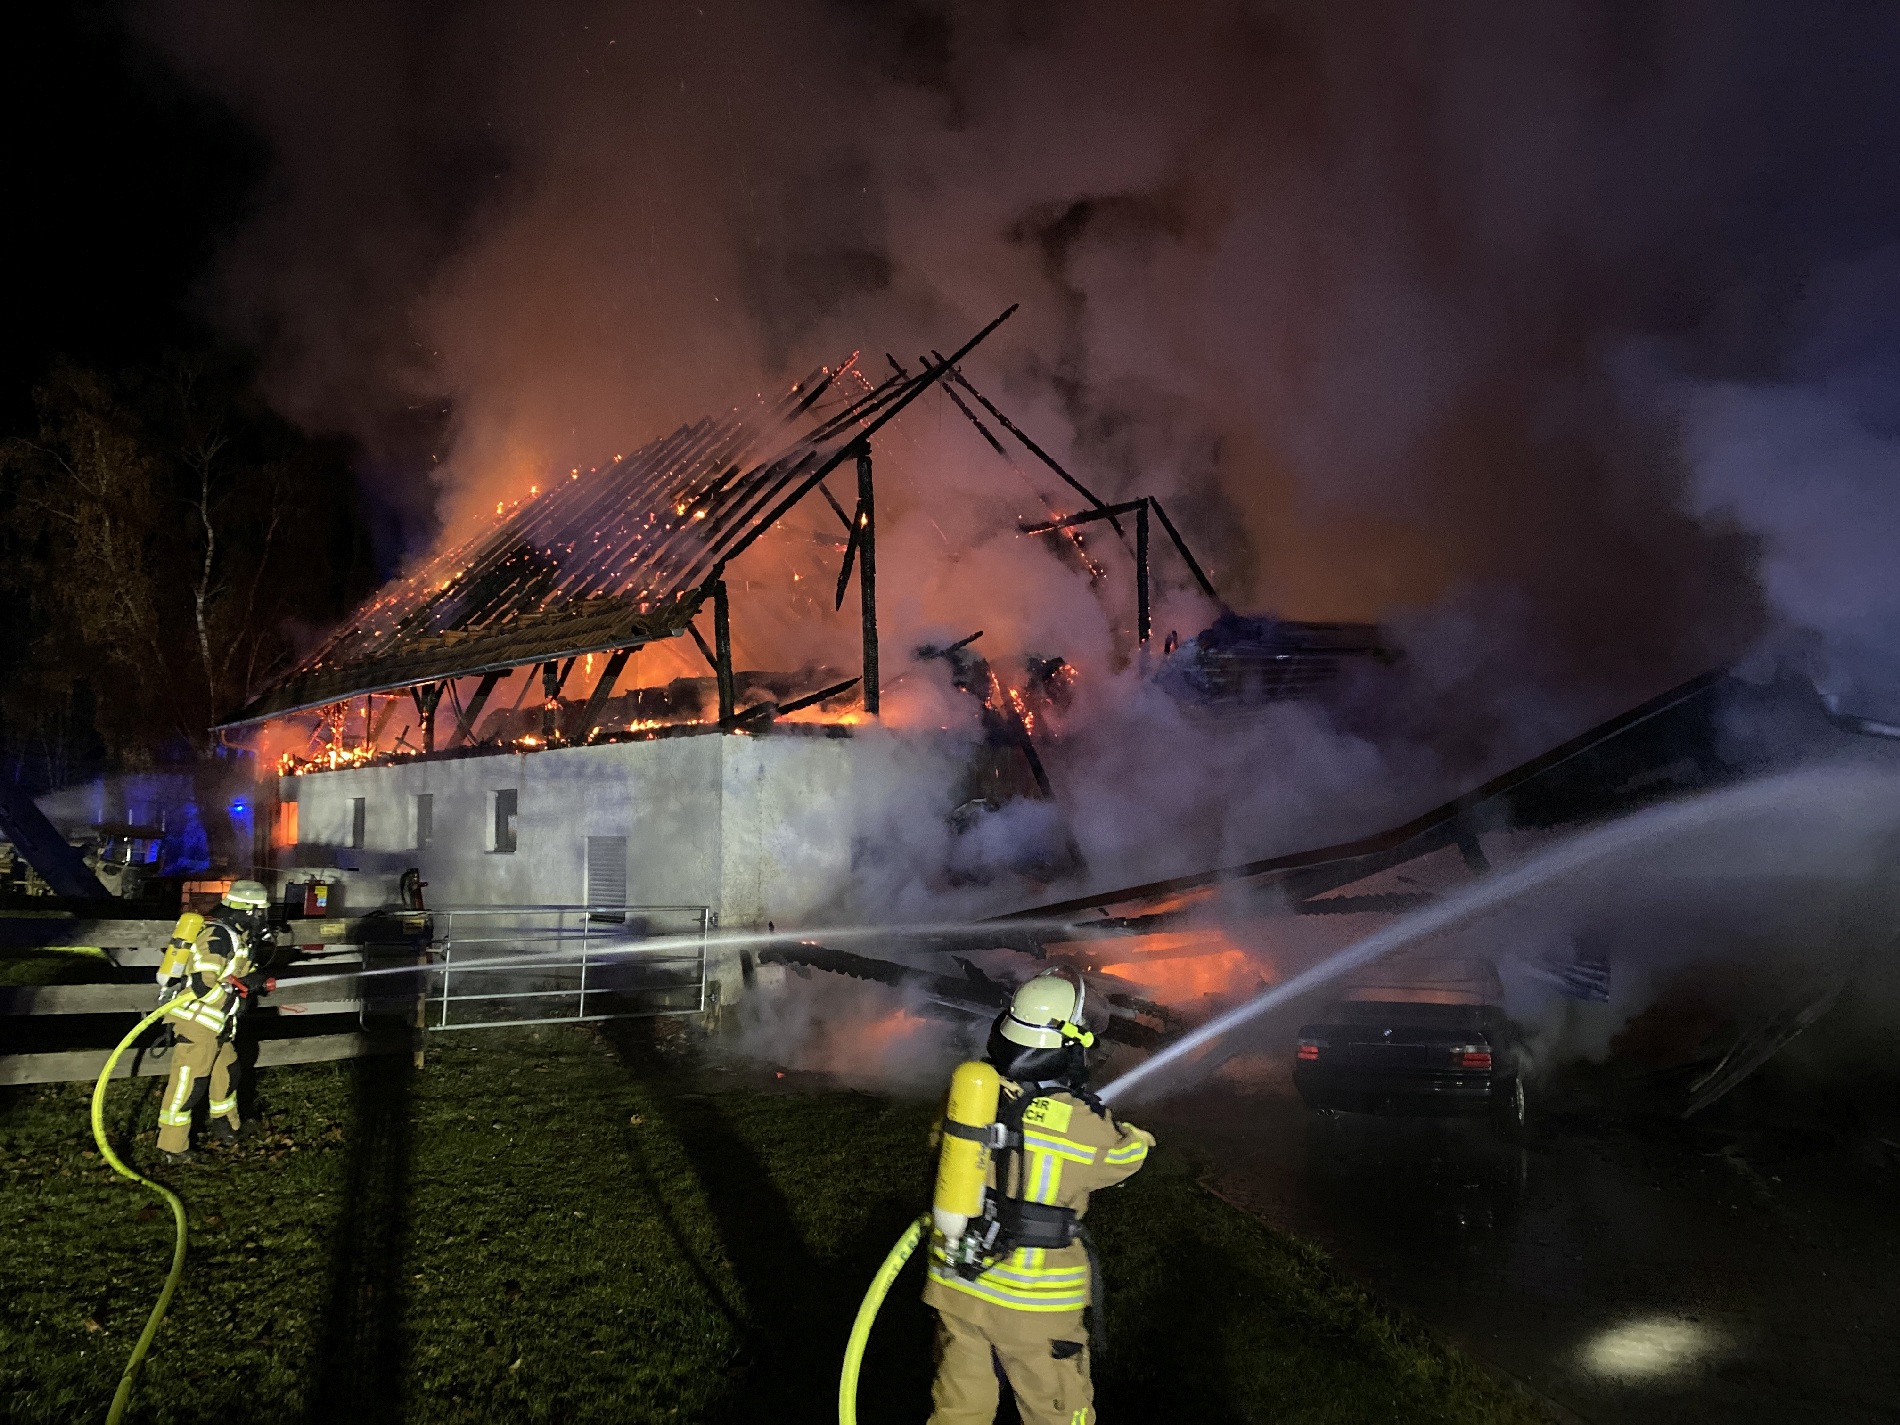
(1809,462)
(1556,337)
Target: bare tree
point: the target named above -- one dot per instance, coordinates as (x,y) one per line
(168,532)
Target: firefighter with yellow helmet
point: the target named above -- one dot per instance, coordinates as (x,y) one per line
(1011,1266)
(212,961)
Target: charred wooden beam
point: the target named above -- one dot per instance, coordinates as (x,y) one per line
(930,650)
(426,696)
(873,423)
(867,575)
(1430,831)
(1034,759)
(38,841)
(465,725)
(836,508)
(1108,512)
(1036,450)
(970,415)
(1376,903)
(1142,620)
(822,695)
(597,699)
(552,675)
(977,421)
(705,648)
(850,555)
(1187,558)
(722,652)
(376,723)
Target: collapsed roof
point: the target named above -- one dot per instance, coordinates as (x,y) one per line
(606,559)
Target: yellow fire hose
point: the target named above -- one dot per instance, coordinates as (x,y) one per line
(867,1313)
(122,1397)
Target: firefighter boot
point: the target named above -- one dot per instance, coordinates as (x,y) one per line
(230,1134)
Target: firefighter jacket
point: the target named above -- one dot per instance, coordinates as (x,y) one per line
(1069,1149)
(220,951)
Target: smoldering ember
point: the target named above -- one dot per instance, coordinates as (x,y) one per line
(951,711)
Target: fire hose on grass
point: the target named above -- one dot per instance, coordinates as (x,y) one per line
(867,1314)
(123,1395)
(962,1169)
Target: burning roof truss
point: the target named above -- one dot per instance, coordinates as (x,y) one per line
(609,558)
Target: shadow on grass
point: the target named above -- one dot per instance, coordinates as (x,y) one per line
(795,1308)
(1164,1360)
(362,1356)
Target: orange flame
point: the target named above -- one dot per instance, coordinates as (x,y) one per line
(1184,968)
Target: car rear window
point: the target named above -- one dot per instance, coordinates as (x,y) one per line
(1447,1016)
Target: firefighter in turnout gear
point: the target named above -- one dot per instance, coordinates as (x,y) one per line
(212,961)
(1009,1285)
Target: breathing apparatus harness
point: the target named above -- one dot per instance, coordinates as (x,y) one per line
(247,951)
(1008,1220)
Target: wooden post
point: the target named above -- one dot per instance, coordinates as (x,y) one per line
(722,652)
(550,692)
(426,696)
(1141,573)
(418,1036)
(597,700)
(471,715)
(867,577)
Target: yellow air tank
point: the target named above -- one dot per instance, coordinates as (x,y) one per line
(965,1164)
(178,949)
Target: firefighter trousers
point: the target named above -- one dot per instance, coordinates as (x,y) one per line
(200,1058)
(1050,1378)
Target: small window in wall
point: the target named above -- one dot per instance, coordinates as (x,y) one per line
(359,816)
(606,871)
(425,820)
(501,834)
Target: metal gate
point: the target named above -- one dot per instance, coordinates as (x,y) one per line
(492,966)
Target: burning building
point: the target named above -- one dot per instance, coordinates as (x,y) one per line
(483,720)
(469,721)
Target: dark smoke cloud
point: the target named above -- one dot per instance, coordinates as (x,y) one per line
(1357,286)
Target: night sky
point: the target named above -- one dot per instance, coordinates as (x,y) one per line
(122,180)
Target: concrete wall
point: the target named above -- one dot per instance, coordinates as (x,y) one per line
(758,828)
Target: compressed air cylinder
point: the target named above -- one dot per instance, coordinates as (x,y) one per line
(178,949)
(965,1162)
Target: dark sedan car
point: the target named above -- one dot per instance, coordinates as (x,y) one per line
(1417,1056)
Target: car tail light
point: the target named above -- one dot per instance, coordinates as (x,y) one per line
(1309,1050)
(1471,1056)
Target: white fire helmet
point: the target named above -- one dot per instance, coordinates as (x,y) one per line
(247,895)
(1047,1012)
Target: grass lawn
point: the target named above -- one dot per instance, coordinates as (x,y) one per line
(46,965)
(577,1226)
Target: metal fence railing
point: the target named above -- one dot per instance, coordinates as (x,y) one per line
(491,966)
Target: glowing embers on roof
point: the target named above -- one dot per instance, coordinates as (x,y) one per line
(607,559)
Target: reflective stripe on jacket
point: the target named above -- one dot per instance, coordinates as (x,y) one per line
(218,951)
(1069,1150)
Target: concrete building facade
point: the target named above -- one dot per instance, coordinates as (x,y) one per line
(756,828)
